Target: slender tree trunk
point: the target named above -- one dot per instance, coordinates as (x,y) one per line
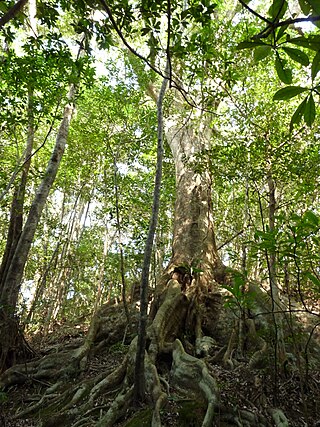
(11,285)
(41,285)
(17,207)
(272,266)
(123,281)
(139,375)
(107,241)
(59,285)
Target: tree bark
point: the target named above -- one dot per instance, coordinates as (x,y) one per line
(11,285)
(194,245)
(12,12)
(139,374)
(17,206)
(272,266)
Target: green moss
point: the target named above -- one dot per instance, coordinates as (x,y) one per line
(191,413)
(118,348)
(141,419)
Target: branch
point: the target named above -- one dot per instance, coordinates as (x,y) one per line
(168,41)
(274,24)
(255,13)
(12,12)
(124,41)
(296,20)
(172,82)
(19,168)
(230,240)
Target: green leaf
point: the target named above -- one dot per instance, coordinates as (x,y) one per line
(145,31)
(297,55)
(305,6)
(3,7)
(310,111)
(297,116)
(311,42)
(312,217)
(281,31)
(284,74)
(278,9)
(261,52)
(288,92)
(315,5)
(249,45)
(315,67)
(313,278)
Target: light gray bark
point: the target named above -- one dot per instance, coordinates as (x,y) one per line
(12,283)
(194,240)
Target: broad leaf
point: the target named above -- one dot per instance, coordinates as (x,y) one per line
(313,278)
(297,55)
(261,52)
(284,73)
(297,116)
(315,5)
(312,217)
(288,92)
(281,31)
(310,111)
(305,6)
(311,42)
(3,7)
(249,45)
(278,9)
(315,68)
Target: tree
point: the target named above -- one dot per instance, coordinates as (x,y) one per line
(187,302)
(20,236)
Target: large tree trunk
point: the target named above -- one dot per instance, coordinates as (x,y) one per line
(193,235)
(10,337)
(195,267)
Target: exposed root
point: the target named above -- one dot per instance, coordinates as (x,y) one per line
(168,320)
(279,418)
(190,373)
(158,396)
(117,409)
(260,357)
(182,325)
(109,382)
(227,358)
(51,366)
(76,400)
(14,347)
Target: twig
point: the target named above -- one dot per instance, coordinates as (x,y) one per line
(230,240)
(255,13)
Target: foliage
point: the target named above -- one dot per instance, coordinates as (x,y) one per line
(276,40)
(261,74)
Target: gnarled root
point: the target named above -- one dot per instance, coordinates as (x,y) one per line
(190,373)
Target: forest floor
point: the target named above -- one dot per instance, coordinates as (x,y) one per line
(243,388)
